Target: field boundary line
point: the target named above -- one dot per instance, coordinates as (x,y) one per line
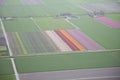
(35,23)
(10,51)
(21,43)
(64,52)
(72,24)
(59,53)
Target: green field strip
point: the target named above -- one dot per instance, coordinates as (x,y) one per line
(17,45)
(19,25)
(72,61)
(45,42)
(7,77)
(102,34)
(115,17)
(38,45)
(39,40)
(28,38)
(12,43)
(51,43)
(52,23)
(27,43)
(21,43)
(5,67)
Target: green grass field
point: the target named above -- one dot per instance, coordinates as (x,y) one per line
(27,25)
(30,18)
(44,63)
(7,77)
(6,67)
(19,25)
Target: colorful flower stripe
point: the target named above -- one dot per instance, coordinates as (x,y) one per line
(109,22)
(58,41)
(67,41)
(84,40)
(50,42)
(77,44)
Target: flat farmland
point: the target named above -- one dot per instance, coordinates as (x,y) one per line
(33,24)
(6,70)
(58,62)
(17,9)
(51,23)
(19,25)
(58,35)
(101,33)
(6,67)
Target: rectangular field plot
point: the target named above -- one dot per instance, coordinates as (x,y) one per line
(19,25)
(33,24)
(71,61)
(40,42)
(51,23)
(5,67)
(52,8)
(102,34)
